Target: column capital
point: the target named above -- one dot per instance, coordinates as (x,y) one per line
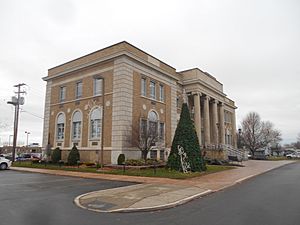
(221,103)
(196,93)
(206,98)
(214,101)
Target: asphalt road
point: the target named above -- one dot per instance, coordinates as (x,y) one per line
(35,199)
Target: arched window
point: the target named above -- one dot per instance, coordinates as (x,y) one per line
(95,123)
(153,120)
(76,125)
(60,126)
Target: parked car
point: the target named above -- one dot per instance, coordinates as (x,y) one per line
(4,163)
(294,155)
(29,157)
(24,157)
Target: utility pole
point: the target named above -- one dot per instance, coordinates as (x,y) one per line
(16,101)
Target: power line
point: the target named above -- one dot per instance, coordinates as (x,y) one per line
(22,110)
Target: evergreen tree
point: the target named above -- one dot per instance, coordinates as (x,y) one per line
(56,155)
(74,156)
(186,137)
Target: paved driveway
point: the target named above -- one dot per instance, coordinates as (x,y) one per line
(32,198)
(36,199)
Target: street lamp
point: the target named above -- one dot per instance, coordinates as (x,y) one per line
(102,124)
(239,142)
(27,133)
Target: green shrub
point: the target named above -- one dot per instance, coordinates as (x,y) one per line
(121,159)
(56,155)
(152,161)
(74,156)
(135,162)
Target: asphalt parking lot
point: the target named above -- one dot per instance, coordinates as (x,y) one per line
(32,198)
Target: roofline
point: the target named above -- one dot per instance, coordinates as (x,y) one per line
(122,42)
(112,56)
(206,73)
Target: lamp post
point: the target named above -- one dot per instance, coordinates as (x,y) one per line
(239,142)
(102,123)
(27,133)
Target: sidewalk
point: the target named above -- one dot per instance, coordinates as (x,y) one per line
(159,193)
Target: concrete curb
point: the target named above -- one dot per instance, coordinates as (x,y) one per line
(142,209)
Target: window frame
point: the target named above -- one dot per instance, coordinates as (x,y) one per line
(95,125)
(161,131)
(76,127)
(100,92)
(153,89)
(78,89)
(60,135)
(62,93)
(161,93)
(144,86)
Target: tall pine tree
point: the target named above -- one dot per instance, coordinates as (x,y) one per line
(186,137)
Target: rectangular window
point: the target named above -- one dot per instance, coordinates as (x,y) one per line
(162,155)
(152,90)
(62,94)
(95,128)
(143,127)
(98,84)
(76,130)
(143,87)
(153,154)
(78,93)
(161,93)
(60,131)
(161,131)
(177,102)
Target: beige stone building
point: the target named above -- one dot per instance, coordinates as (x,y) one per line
(100,100)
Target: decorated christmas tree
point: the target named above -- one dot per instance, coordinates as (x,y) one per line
(185,153)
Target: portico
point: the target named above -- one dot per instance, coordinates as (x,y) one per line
(213,113)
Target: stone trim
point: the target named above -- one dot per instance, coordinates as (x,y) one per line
(122,104)
(47,114)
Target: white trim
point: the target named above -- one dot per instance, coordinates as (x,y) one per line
(55,132)
(89,139)
(71,129)
(155,113)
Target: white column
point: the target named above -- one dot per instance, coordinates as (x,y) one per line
(221,124)
(234,142)
(214,122)
(206,121)
(197,116)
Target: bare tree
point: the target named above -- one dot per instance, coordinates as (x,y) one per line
(297,144)
(145,137)
(258,134)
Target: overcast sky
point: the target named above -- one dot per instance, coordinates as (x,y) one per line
(252,47)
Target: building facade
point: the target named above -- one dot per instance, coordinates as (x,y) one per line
(104,101)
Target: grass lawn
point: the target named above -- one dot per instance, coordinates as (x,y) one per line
(149,172)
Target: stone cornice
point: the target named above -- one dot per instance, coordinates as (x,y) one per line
(107,58)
